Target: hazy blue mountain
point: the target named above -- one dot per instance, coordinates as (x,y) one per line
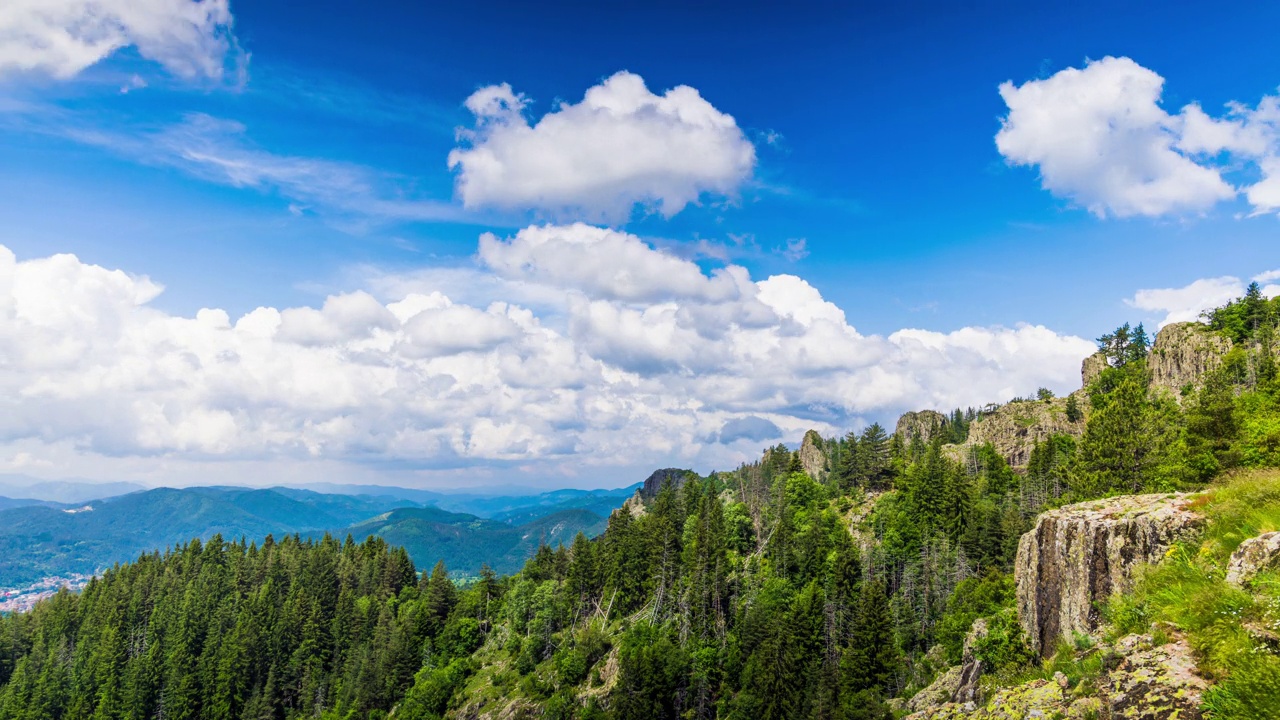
(40,538)
(512,507)
(465,542)
(38,541)
(62,491)
(8,502)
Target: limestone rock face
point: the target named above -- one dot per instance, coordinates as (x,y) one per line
(1183,354)
(1252,557)
(1015,428)
(1077,556)
(923,424)
(1092,367)
(812,457)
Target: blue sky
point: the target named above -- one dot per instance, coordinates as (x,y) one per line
(267,155)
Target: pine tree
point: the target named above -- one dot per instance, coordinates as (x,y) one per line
(1074,414)
(439,597)
(1125,440)
(877,456)
(871,660)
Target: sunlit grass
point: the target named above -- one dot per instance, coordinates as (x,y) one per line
(1189,590)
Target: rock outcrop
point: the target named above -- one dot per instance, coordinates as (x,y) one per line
(1077,556)
(1155,682)
(923,424)
(958,684)
(939,692)
(653,483)
(1014,429)
(1183,354)
(971,666)
(1144,682)
(812,457)
(1252,557)
(1092,367)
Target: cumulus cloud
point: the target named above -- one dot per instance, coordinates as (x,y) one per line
(190,38)
(1187,303)
(1270,288)
(603,263)
(1100,138)
(669,369)
(620,146)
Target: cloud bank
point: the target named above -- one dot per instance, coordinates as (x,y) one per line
(655,363)
(1186,303)
(190,38)
(1100,138)
(620,146)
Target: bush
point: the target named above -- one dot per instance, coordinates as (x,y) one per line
(1005,646)
(571,667)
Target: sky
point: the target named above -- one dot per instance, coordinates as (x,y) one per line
(560,244)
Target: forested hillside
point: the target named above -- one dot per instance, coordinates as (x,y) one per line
(795,587)
(39,540)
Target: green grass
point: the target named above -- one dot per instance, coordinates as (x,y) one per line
(1189,590)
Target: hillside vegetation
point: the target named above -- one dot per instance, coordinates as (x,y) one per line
(795,587)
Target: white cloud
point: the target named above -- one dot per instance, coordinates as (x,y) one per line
(603,263)
(190,38)
(667,369)
(621,145)
(1188,302)
(1100,138)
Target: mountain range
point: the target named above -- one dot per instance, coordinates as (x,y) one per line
(42,538)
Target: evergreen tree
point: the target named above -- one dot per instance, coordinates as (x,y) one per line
(1074,413)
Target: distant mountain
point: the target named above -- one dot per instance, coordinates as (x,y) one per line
(62,491)
(465,542)
(8,502)
(600,505)
(38,541)
(513,507)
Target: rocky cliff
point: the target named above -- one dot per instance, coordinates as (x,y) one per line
(813,459)
(1183,354)
(922,424)
(1092,367)
(1077,556)
(1014,429)
(653,483)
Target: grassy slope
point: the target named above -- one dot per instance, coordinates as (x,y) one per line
(1189,590)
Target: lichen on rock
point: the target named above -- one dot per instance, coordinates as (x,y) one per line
(1078,556)
(1156,683)
(1252,557)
